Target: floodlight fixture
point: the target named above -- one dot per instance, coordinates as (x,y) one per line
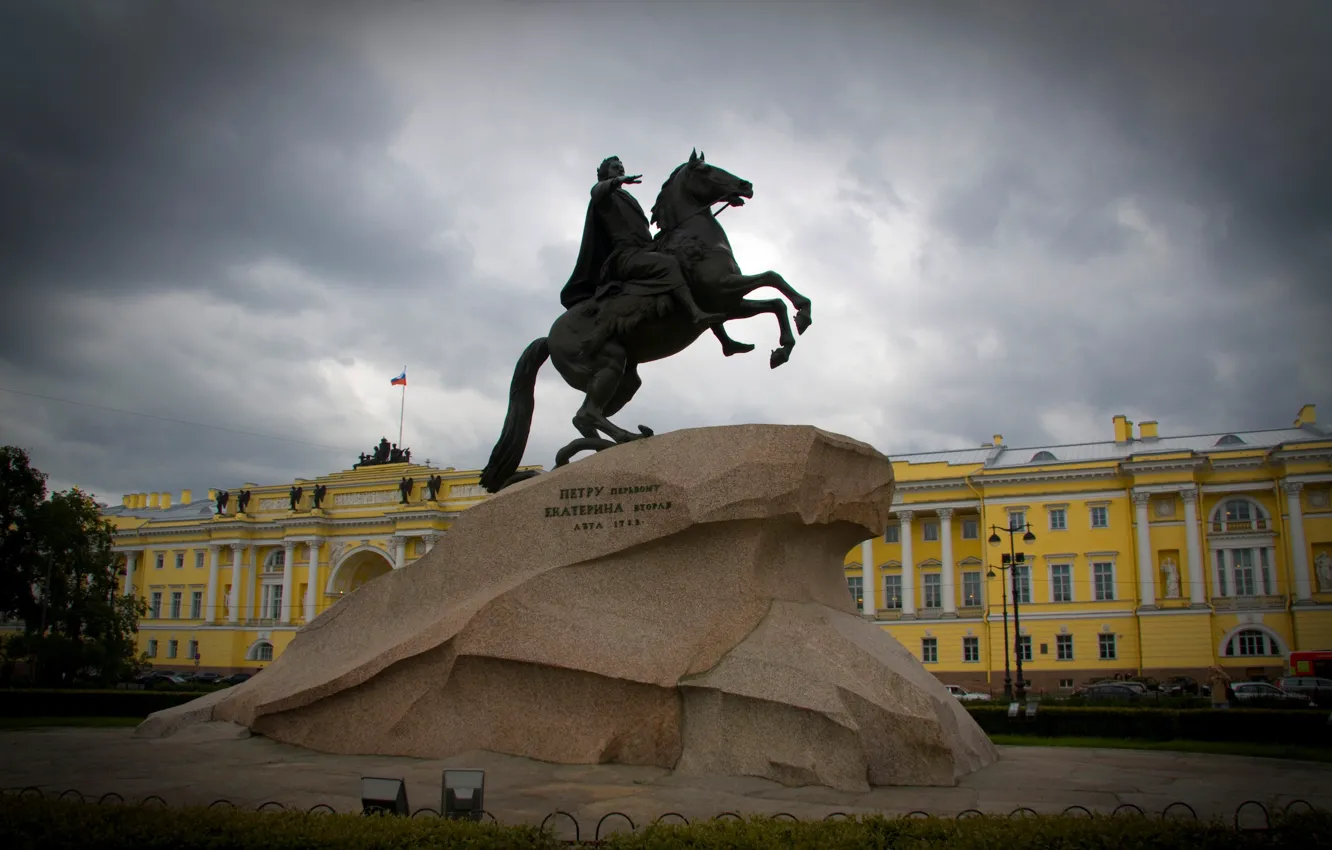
(994,539)
(381,795)
(463,794)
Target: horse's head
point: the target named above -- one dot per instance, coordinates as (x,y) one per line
(697,184)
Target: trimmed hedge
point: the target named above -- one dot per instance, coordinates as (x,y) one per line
(1257,726)
(78,703)
(56,825)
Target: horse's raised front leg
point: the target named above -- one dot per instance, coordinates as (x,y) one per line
(746,308)
(743,284)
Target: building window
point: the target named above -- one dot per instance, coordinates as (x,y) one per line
(271,601)
(193,650)
(892,592)
(971,649)
(971,589)
(1252,642)
(152,647)
(1239,515)
(155,605)
(1100,516)
(929,650)
(970,529)
(198,560)
(892,534)
(172,646)
(1017,520)
(856,584)
(159,561)
(1066,683)
(932,590)
(931,531)
(1106,645)
(1024,647)
(1022,580)
(196,605)
(1063,647)
(275,560)
(1061,582)
(180,560)
(1244,572)
(1103,581)
(175,604)
(264,652)
(1058,519)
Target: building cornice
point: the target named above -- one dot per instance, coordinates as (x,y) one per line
(1181,464)
(1238,487)
(988,479)
(973,504)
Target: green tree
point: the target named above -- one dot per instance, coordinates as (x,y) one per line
(77,625)
(22,491)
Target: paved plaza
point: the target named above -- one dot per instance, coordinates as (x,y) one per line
(204,764)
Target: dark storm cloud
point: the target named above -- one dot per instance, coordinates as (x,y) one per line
(153,146)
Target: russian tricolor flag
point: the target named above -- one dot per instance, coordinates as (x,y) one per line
(400,381)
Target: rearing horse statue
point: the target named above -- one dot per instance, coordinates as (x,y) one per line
(596,345)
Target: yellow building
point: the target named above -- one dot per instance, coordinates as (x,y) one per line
(232,586)
(1152,556)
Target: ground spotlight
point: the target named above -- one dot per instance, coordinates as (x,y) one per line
(463,796)
(383,796)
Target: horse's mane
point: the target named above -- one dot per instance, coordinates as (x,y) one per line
(660,205)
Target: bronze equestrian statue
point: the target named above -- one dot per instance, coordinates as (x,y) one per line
(633,298)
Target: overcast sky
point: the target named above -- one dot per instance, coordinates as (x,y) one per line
(1012,217)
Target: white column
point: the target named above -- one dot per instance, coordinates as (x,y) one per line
(1299,552)
(871,592)
(399,553)
(130,558)
(210,598)
(1146,570)
(430,541)
(908,567)
(252,587)
(236,569)
(288,568)
(313,579)
(1197,585)
(946,542)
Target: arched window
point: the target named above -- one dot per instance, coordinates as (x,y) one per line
(260,651)
(275,560)
(1248,643)
(1039,456)
(1239,514)
(1230,440)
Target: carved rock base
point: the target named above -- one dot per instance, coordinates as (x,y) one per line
(676,601)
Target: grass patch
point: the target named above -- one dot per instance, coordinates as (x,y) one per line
(39,722)
(1226,748)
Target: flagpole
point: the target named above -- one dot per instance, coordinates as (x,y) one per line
(402,407)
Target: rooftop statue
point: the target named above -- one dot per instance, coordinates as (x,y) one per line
(634,298)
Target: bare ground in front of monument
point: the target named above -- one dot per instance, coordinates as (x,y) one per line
(201,768)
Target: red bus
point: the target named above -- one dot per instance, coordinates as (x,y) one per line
(1312,662)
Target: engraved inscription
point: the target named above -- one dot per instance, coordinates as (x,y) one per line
(274,504)
(601,506)
(466,491)
(377,497)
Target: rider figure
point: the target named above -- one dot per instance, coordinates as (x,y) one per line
(617,249)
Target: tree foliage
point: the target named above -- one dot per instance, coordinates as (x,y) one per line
(60,579)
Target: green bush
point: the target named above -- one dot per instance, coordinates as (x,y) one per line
(1258,726)
(76,703)
(30,822)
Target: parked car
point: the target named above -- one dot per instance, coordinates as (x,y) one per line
(1177,686)
(1264,692)
(234,679)
(1113,690)
(154,679)
(964,694)
(205,678)
(1317,689)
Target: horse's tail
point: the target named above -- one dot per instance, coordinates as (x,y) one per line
(508,452)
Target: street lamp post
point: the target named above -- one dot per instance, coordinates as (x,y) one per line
(1013,561)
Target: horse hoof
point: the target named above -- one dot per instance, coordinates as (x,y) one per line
(737,348)
(644,431)
(803,320)
(779,356)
